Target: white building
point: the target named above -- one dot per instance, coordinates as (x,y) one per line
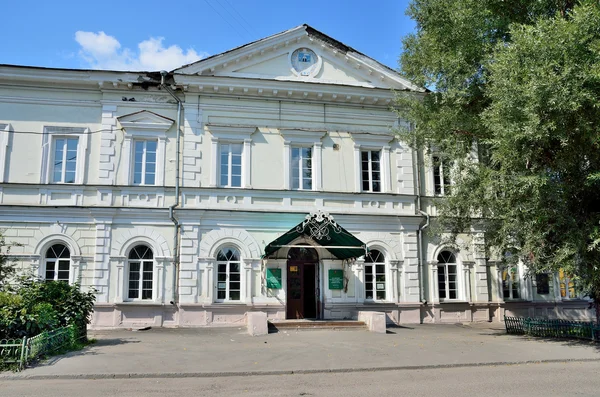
(163,190)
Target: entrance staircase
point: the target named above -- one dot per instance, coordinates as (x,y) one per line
(308,325)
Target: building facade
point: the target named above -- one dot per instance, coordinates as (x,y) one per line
(162,190)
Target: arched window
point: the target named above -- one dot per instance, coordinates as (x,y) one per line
(58,262)
(229,272)
(141,264)
(447,276)
(375,276)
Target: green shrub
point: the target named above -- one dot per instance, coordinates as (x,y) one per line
(37,306)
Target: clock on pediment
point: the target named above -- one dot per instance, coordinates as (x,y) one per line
(305,62)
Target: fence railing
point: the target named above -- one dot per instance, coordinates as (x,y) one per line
(22,351)
(552,328)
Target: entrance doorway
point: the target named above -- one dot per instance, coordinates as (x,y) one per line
(302,296)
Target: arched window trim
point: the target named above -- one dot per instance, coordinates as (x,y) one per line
(141,256)
(372,273)
(229,274)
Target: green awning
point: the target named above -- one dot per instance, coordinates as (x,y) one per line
(322,229)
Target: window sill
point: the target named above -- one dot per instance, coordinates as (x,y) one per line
(454,301)
(140,303)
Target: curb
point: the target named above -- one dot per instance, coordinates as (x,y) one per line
(175,375)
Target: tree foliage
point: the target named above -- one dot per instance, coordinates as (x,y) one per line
(515,105)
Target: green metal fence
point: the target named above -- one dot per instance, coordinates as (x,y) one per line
(23,351)
(552,328)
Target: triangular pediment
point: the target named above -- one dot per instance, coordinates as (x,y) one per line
(145,120)
(302,54)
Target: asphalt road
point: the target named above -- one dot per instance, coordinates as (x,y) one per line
(545,379)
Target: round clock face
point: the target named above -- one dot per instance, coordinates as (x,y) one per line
(304,61)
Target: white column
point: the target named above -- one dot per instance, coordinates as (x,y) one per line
(247,284)
(317,166)
(395,281)
(120,278)
(247,183)
(434,295)
(74,273)
(210,282)
(357,173)
(160,280)
(467,266)
(214,161)
(360,276)
(386,170)
(287,156)
(35,266)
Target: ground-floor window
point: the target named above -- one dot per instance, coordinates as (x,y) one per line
(542,283)
(375,276)
(447,275)
(229,275)
(567,286)
(141,264)
(58,262)
(510,283)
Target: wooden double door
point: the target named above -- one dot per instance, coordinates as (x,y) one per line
(302,290)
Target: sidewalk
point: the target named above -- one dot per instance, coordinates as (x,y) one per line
(230,351)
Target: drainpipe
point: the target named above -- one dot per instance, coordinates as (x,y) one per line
(416,163)
(177,226)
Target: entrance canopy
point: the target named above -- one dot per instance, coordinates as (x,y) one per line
(323,230)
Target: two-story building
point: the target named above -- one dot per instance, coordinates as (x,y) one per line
(266,178)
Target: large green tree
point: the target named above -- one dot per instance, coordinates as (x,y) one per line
(515,106)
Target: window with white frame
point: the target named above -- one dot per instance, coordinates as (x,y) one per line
(441,176)
(301,168)
(64,160)
(447,276)
(229,273)
(63,154)
(510,283)
(144,162)
(371,170)
(567,285)
(140,275)
(57,263)
(375,276)
(231,164)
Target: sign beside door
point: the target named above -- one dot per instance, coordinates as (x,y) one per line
(274,278)
(336,279)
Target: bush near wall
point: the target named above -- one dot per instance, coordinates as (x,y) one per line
(31,307)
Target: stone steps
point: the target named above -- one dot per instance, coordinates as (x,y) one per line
(278,325)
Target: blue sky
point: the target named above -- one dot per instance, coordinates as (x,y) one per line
(150,35)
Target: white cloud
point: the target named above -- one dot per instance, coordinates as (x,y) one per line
(101,51)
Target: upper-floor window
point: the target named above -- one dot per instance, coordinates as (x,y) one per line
(141,265)
(57,263)
(64,160)
(143,150)
(229,275)
(375,276)
(447,275)
(302,168)
(231,164)
(371,170)
(144,165)
(441,176)
(63,154)
(510,283)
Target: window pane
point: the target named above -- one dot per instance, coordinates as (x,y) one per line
(234,295)
(50,270)
(236,181)
(234,285)
(234,267)
(236,149)
(235,277)
(150,179)
(221,294)
(380,295)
